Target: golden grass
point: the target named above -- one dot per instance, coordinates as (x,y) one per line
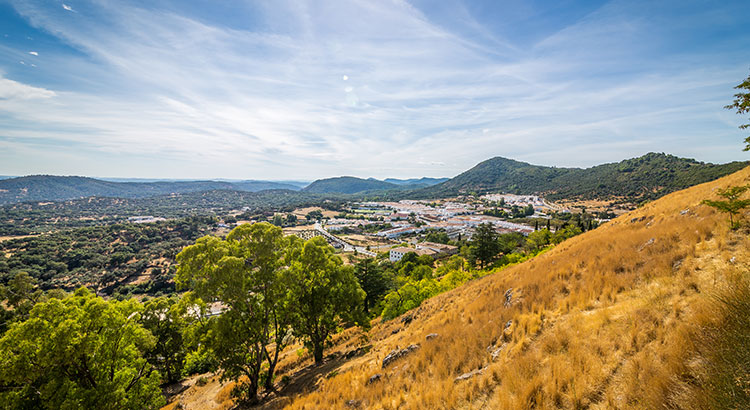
(605,320)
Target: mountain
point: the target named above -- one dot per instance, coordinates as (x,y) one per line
(424,181)
(56,188)
(644,178)
(348,185)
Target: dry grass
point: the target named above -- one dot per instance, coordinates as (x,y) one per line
(605,320)
(609,319)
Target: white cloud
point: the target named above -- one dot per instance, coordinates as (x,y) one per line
(66,7)
(33,53)
(270,104)
(13,90)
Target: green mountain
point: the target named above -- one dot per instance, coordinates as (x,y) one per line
(644,178)
(424,181)
(349,185)
(58,188)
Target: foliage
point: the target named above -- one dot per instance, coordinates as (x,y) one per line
(324,292)
(161,316)
(374,281)
(732,203)
(106,258)
(79,353)
(484,245)
(244,274)
(741,105)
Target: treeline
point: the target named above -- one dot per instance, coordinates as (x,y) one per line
(105,258)
(36,217)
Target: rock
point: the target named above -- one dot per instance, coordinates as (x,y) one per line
(508,297)
(469,375)
(733,260)
(396,330)
(649,243)
(685,211)
(355,404)
(375,378)
(396,354)
(676,266)
(508,324)
(407,319)
(431,336)
(496,352)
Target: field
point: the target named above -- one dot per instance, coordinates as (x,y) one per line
(613,318)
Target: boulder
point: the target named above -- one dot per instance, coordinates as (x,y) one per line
(396,354)
(431,336)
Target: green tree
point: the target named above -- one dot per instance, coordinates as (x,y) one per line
(741,105)
(163,319)
(538,239)
(484,245)
(80,352)
(314,215)
(732,203)
(373,280)
(244,273)
(325,293)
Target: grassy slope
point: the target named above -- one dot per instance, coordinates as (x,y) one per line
(610,319)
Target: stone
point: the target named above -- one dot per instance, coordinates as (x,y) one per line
(375,378)
(396,354)
(469,375)
(508,297)
(496,352)
(508,324)
(355,404)
(431,336)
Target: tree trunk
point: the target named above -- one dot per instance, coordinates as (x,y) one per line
(318,352)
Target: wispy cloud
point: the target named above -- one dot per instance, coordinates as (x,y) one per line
(358,87)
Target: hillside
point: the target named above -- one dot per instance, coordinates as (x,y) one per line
(625,316)
(644,178)
(424,181)
(348,185)
(57,188)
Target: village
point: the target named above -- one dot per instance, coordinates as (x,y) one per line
(369,228)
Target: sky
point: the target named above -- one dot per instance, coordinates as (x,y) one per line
(295,89)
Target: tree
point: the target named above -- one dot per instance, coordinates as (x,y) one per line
(733,204)
(741,104)
(538,239)
(163,319)
(373,281)
(80,352)
(244,273)
(314,215)
(324,293)
(484,245)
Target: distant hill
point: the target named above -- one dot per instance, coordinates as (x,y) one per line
(348,185)
(648,177)
(57,188)
(425,181)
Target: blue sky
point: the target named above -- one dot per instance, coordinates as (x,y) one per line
(372,88)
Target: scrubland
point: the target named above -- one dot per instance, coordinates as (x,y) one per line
(648,311)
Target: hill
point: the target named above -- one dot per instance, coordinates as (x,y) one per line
(633,314)
(635,180)
(424,181)
(57,188)
(348,185)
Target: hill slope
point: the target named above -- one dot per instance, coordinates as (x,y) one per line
(648,177)
(348,185)
(57,188)
(613,318)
